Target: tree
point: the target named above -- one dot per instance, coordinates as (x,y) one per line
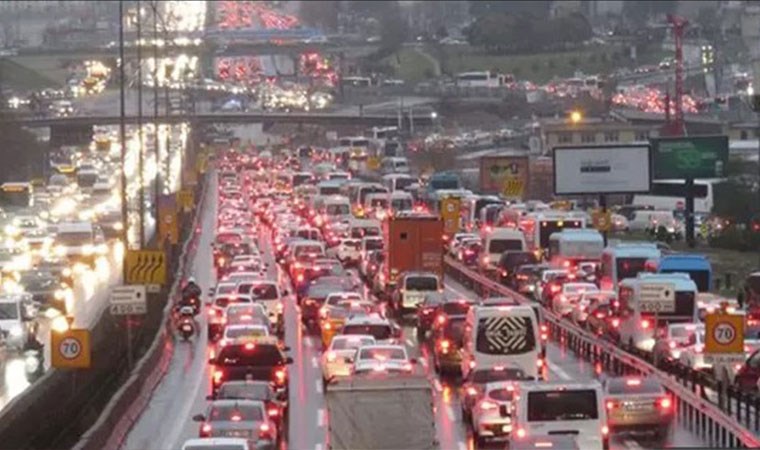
(536,9)
(320,13)
(643,10)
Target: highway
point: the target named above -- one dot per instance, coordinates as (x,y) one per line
(166,423)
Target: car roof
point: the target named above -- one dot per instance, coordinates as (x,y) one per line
(370,319)
(545,386)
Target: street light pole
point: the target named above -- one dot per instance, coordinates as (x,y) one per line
(123,138)
(140,157)
(156,154)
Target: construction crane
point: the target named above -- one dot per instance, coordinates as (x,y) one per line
(676,127)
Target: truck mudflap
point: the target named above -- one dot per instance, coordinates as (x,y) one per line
(381,412)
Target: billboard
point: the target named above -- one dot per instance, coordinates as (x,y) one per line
(506,175)
(450,214)
(609,169)
(689,157)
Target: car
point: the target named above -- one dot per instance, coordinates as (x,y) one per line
(579,314)
(447,338)
(426,313)
(332,318)
(474,383)
(263,391)
(638,404)
(375,325)
(239,418)
(260,360)
(693,352)
(568,296)
(382,358)
(220,443)
(673,339)
(491,416)
(338,359)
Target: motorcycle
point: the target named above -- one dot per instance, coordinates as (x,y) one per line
(186,329)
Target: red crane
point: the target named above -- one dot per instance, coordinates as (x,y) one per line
(677,127)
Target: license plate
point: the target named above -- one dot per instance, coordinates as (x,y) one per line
(249,377)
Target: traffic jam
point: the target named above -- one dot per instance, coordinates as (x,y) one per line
(360,257)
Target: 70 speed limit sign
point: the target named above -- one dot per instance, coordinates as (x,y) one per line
(724,333)
(70,349)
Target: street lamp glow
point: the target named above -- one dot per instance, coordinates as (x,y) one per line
(576,116)
(433,115)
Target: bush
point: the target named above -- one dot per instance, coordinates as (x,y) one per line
(735,239)
(534,66)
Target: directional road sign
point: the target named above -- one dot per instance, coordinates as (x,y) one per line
(127,300)
(146,267)
(658,297)
(70,349)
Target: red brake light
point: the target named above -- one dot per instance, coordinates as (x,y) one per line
(633,382)
(250,346)
(279,375)
(445,345)
(605,430)
(265,431)
(205,430)
(544,444)
(487,405)
(236,418)
(672,344)
(555,288)
(521,433)
(441,319)
(611,405)
(273,412)
(615,322)
(645,324)
(665,403)
(472,391)
(218,374)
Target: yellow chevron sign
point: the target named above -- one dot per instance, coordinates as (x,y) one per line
(146,267)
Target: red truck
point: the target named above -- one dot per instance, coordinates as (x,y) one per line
(413,242)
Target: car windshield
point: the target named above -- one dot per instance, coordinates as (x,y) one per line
(250,354)
(74,238)
(379,332)
(9,311)
(562,405)
(235,413)
(246,391)
(337,210)
(633,386)
(421,284)
(373,244)
(503,245)
(264,291)
(350,343)
(382,354)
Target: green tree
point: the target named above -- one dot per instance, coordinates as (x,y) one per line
(537,9)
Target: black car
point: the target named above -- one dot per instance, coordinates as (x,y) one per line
(425,313)
(264,391)
(525,277)
(314,298)
(58,267)
(45,287)
(262,360)
(509,262)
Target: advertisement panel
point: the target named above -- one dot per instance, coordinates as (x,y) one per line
(450,214)
(689,157)
(506,175)
(609,169)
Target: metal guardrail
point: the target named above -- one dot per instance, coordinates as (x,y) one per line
(128,403)
(696,413)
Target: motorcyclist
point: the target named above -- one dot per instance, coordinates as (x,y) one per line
(191,294)
(185,314)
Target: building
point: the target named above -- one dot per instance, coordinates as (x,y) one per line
(558,132)
(19,6)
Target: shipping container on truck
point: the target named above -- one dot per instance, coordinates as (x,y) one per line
(414,242)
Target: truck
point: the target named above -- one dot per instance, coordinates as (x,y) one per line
(413,242)
(381,411)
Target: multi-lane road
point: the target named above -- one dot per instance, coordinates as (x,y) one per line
(166,423)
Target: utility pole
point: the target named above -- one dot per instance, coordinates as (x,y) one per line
(141,148)
(156,153)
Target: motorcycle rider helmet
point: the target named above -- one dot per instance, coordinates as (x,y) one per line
(191,280)
(186,311)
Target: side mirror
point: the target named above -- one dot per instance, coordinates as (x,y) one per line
(288,360)
(198,418)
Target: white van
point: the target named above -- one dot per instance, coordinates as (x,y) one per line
(497,336)
(336,208)
(554,407)
(394,164)
(376,206)
(401,201)
(358,228)
(498,241)
(80,241)
(643,218)
(398,181)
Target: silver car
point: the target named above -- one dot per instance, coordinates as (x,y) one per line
(492,412)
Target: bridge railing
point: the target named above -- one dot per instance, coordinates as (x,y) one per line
(694,411)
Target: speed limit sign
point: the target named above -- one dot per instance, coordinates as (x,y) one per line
(724,333)
(70,349)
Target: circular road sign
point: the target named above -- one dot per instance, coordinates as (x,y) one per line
(724,333)
(70,348)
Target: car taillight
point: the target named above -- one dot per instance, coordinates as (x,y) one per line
(300,278)
(444,345)
(599,315)
(265,431)
(273,412)
(218,375)
(555,288)
(645,324)
(605,430)
(665,403)
(485,260)
(615,323)
(279,376)
(206,430)
(327,326)
(323,312)
(611,405)
(539,363)
(487,405)
(441,319)
(472,391)
(672,344)
(521,433)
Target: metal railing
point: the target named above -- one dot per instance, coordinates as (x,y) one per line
(695,412)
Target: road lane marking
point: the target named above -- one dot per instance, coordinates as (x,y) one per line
(558,371)
(424,362)
(321,417)
(450,413)
(318,447)
(318,383)
(314,362)
(437,385)
(409,342)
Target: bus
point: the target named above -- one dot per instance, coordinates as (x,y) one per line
(639,320)
(471,207)
(570,247)
(539,226)
(356,81)
(625,260)
(443,180)
(698,268)
(670,195)
(16,195)
(480,80)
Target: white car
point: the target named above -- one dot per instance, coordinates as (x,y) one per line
(338,360)
(219,443)
(456,241)
(693,355)
(349,251)
(492,412)
(565,301)
(382,358)
(580,312)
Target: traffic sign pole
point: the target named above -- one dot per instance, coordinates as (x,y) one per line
(603,208)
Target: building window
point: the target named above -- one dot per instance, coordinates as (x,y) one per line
(611,136)
(588,138)
(743,135)
(642,136)
(564,138)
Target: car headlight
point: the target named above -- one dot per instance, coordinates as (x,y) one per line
(60,250)
(118,226)
(88,249)
(66,272)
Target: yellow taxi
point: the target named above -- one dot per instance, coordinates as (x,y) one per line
(334,316)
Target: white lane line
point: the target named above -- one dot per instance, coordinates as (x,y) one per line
(558,371)
(462,445)
(409,342)
(318,447)
(437,385)
(314,362)
(450,413)
(424,362)
(318,383)
(307,342)
(321,417)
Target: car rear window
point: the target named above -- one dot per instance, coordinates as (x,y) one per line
(379,331)
(236,413)
(382,354)
(421,284)
(456,308)
(247,332)
(264,291)
(252,391)
(222,302)
(501,394)
(562,405)
(633,386)
(346,344)
(254,355)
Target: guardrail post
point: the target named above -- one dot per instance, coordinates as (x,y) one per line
(757,411)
